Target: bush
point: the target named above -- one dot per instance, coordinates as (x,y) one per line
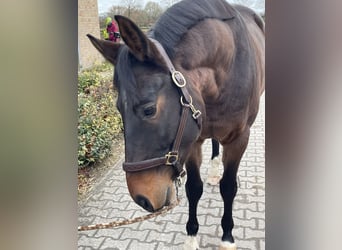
(103,67)
(99,121)
(86,80)
(93,77)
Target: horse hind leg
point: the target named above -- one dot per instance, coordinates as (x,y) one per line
(213,173)
(215,148)
(194,190)
(232,154)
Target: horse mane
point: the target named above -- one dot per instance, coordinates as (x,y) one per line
(257,19)
(179,18)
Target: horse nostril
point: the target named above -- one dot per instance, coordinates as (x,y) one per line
(144,203)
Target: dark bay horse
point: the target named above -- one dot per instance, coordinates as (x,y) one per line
(197,74)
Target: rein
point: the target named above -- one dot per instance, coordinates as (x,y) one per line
(128,221)
(172,157)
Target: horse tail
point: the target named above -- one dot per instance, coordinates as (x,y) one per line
(215,148)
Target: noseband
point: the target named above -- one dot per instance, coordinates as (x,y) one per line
(172,157)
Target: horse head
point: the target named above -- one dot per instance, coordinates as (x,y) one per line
(150,105)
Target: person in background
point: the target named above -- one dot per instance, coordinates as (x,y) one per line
(105,34)
(112,30)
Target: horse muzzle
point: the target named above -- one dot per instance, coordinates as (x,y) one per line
(151,206)
(151,191)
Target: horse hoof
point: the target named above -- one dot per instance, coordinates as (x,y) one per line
(225,245)
(191,243)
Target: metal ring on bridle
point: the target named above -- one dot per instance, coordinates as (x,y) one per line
(180,82)
(186,104)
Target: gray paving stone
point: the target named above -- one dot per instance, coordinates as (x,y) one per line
(213,220)
(179,238)
(138,245)
(152,225)
(90,233)
(261,245)
(247,245)
(110,233)
(163,246)
(251,214)
(261,207)
(90,241)
(245,223)
(238,232)
(111,244)
(252,233)
(166,237)
(241,205)
(209,242)
(261,224)
(136,234)
(88,248)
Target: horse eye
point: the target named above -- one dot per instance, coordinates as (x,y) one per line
(149,111)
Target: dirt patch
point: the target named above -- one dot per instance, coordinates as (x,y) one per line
(89,176)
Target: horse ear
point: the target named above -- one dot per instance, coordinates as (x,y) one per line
(140,46)
(108,49)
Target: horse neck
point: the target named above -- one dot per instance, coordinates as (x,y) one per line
(205,53)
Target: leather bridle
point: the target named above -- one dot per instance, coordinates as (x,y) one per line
(172,157)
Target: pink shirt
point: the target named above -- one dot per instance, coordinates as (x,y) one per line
(111,29)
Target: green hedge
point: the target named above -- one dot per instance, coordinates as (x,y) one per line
(99,121)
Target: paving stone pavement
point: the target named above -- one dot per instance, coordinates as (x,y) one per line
(110,201)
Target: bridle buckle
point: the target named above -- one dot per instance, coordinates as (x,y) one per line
(171,158)
(178,79)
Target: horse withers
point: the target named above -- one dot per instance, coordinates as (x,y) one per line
(198,73)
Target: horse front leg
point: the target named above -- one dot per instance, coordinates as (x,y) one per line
(194,190)
(232,154)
